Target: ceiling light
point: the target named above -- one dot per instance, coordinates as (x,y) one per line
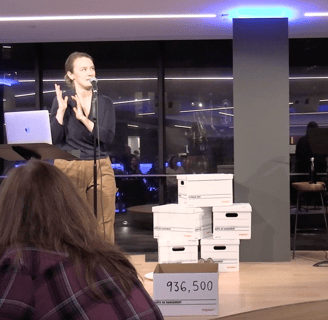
(133,126)
(31,80)
(146,114)
(262,12)
(307,113)
(226,114)
(24,95)
(307,78)
(210,109)
(32,94)
(104,79)
(171,78)
(131,101)
(108,17)
(316,14)
(199,78)
(185,127)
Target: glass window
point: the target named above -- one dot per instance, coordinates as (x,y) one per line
(308,108)
(18,75)
(198,108)
(308,99)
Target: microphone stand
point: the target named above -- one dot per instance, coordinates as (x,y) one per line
(94,116)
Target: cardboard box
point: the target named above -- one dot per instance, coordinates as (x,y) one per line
(232,222)
(223,252)
(176,222)
(186,289)
(177,251)
(205,190)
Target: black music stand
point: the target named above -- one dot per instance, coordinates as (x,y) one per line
(40,151)
(318,140)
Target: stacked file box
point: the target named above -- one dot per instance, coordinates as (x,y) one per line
(180,227)
(230,225)
(205,190)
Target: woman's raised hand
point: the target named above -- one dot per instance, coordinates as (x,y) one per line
(78,109)
(62,103)
(80,114)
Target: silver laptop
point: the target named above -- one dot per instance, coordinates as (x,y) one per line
(28,127)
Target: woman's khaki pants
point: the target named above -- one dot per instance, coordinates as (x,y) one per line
(80,172)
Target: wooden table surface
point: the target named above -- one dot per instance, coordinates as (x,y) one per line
(260,285)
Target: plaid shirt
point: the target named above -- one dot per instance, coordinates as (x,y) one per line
(46,286)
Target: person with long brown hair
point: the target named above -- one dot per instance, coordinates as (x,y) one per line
(72,128)
(53,262)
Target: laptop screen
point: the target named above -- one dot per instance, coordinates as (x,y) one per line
(28,127)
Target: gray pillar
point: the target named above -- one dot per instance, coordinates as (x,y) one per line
(261,134)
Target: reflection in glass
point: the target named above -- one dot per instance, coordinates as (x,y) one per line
(199,120)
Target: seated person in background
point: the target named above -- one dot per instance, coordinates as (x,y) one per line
(134,166)
(304,152)
(53,262)
(135,189)
(172,182)
(126,158)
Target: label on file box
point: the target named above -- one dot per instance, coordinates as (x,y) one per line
(209,196)
(239,228)
(183,229)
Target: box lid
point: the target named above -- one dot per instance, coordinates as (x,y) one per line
(186,268)
(220,242)
(205,176)
(235,207)
(177,243)
(178,208)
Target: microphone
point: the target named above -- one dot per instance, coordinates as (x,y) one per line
(94,102)
(94,82)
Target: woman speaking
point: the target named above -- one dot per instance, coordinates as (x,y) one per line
(73,129)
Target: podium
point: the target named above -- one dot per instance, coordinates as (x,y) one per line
(40,151)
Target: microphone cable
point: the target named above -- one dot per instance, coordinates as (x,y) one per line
(100,173)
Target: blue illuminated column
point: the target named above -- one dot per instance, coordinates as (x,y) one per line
(261,134)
